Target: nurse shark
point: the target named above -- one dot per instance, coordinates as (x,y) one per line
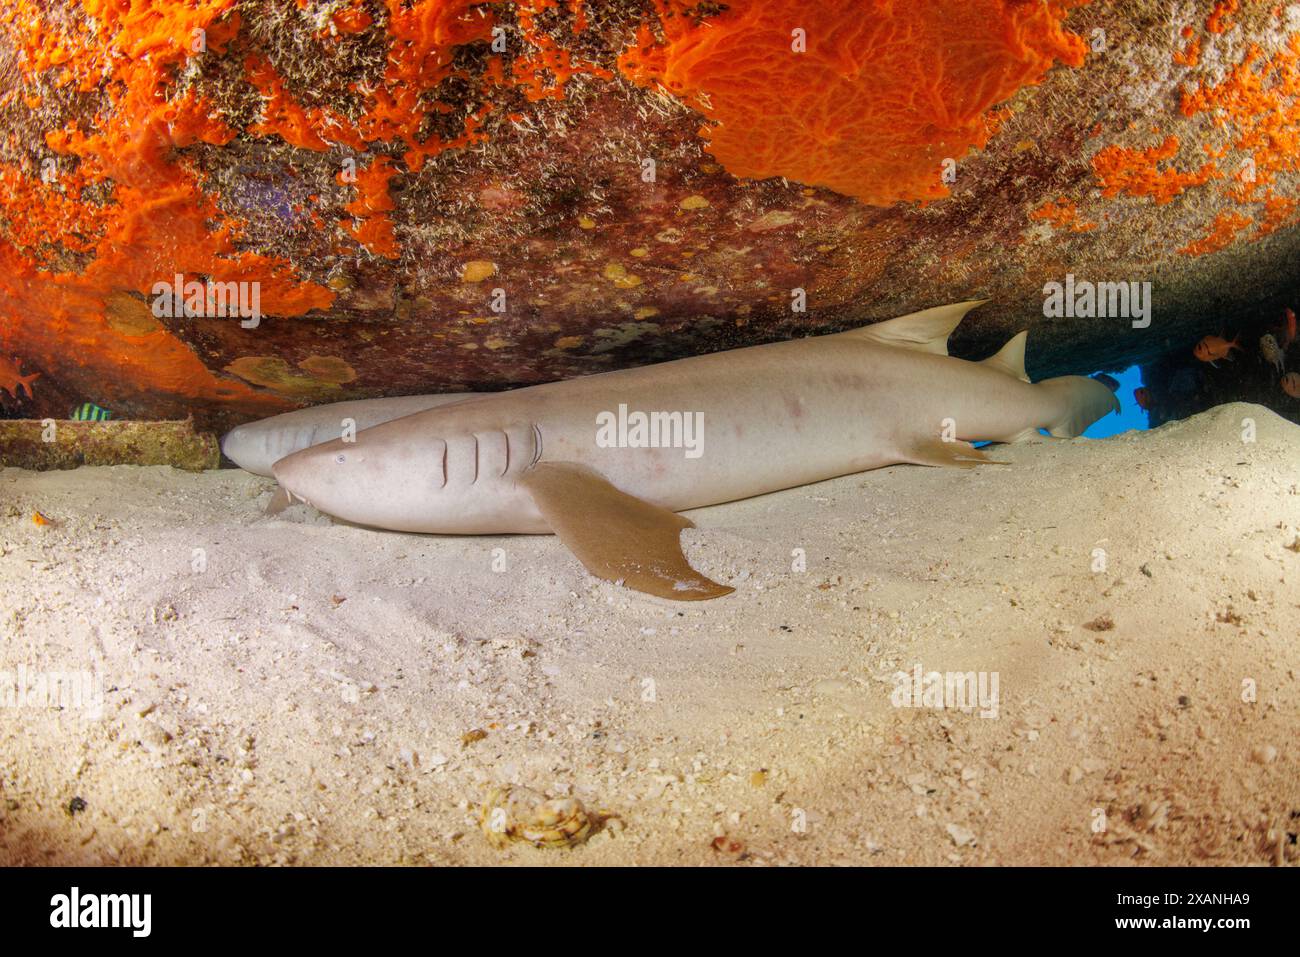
(568,457)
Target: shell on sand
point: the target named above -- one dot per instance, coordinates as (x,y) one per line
(514,813)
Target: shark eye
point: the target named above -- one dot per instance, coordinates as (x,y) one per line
(340,458)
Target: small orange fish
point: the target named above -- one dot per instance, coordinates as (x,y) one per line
(1291,384)
(12,378)
(1215,347)
(39,519)
(1143,398)
(1288,336)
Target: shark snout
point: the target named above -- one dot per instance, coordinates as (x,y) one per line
(319,476)
(234,444)
(293,473)
(231,440)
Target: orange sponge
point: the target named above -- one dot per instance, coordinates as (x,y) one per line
(866,97)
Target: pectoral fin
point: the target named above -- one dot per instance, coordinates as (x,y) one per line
(617,536)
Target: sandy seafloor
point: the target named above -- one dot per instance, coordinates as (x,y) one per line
(305,698)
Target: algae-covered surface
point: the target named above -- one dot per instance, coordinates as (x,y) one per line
(442,195)
(54,444)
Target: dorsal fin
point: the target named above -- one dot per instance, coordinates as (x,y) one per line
(1011,357)
(924,331)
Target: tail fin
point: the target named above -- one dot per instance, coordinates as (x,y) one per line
(1084,401)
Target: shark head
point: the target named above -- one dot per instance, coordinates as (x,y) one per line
(255,448)
(329,476)
(381,476)
(240,447)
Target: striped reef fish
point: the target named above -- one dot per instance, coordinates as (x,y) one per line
(89,412)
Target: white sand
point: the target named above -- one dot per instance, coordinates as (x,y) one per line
(251,716)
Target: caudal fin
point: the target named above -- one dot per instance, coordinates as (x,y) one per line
(1082,401)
